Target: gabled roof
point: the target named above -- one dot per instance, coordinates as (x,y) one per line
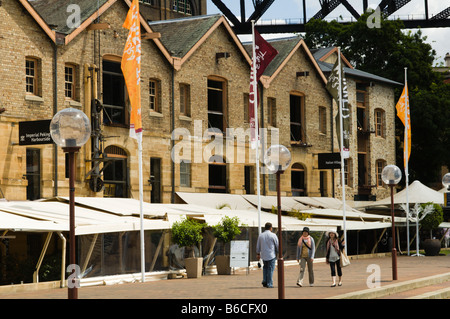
(322,53)
(52,15)
(181,37)
(286,48)
(57,12)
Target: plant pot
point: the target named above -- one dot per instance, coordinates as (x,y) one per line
(193,267)
(223,265)
(432,247)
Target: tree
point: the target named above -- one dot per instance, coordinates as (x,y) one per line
(386,51)
(187,233)
(433,219)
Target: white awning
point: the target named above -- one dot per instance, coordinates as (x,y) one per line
(417,193)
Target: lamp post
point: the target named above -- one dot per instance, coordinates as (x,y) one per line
(391,175)
(70,129)
(277,159)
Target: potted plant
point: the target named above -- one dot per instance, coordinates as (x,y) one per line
(225,232)
(188,233)
(430,222)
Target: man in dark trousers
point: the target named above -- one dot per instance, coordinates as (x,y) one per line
(267,250)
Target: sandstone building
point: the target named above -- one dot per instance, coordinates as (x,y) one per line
(192,81)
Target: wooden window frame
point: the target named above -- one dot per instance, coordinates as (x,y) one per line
(34,78)
(154,88)
(323,120)
(72,83)
(224,101)
(301,124)
(185,99)
(272,111)
(185,171)
(379,165)
(379,123)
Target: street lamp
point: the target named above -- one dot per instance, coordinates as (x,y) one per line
(277,159)
(446,181)
(391,175)
(70,129)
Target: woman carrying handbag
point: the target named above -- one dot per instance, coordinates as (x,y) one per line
(334,249)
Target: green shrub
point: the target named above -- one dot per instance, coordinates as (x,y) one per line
(187,233)
(227,229)
(433,219)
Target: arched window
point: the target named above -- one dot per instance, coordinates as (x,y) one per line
(298,180)
(115,172)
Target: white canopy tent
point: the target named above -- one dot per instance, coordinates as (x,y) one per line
(417,193)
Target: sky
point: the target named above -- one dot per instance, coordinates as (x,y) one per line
(293,9)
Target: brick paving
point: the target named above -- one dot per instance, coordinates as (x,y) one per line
(248,286)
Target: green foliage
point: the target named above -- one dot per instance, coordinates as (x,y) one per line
(433,219)
(386,51)
(292,213)
(187,233)
(227,229)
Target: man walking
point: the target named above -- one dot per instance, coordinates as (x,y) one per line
(267,249)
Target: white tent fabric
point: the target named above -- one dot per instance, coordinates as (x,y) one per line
(417,193)
(267,202)
(336,213)
(54,216)
(215,200)
(103,215)
(324,202)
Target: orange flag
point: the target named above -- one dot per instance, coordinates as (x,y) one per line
(131,67)
(403,113)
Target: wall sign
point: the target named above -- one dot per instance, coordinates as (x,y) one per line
(329,160)
(35,132)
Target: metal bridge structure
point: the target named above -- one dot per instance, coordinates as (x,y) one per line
(386,7)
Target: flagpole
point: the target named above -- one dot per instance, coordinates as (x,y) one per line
(255,110)
(342,147)
(405,156)
(141,213)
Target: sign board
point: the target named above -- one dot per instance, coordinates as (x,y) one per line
(35,132)
(239,253)
(447,199)
(329,160)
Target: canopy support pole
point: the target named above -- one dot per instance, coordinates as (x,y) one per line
(379,239)
(155,257)
(63,259)
(41,257)
(89,254)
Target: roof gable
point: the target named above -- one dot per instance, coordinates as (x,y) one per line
(286,48)
(195,31)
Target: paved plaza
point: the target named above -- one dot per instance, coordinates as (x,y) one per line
(363,275)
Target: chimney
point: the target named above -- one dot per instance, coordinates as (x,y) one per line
(447,60)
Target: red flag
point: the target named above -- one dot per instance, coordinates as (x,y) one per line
(264,54)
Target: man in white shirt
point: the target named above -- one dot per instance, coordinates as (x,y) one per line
(267,249)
